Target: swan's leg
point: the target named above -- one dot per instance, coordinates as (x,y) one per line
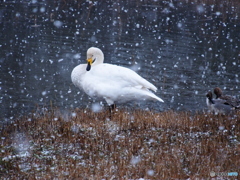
(111,108)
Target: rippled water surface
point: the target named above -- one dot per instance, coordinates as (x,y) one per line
(184,48)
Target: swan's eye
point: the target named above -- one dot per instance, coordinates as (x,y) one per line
(93,60)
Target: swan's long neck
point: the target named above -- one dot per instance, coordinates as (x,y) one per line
(99,58)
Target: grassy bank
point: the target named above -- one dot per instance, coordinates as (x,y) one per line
(133,145)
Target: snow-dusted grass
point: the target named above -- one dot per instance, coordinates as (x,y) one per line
(132,145)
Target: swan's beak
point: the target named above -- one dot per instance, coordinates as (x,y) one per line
(89,63)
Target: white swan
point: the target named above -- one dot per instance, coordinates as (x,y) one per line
(110,82)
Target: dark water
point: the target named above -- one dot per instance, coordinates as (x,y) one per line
(184,48)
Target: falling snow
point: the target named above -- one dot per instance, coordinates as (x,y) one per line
(184,48)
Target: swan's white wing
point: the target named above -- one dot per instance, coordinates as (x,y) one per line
(115,83)
(127,77)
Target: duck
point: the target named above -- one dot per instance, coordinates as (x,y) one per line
(230,100)
(218,106)
(113,83)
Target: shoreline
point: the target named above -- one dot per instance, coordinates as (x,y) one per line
(132,145)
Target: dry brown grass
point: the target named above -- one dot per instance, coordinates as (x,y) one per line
(134,144)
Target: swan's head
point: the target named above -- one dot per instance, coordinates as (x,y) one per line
(94,56)
(218,92)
